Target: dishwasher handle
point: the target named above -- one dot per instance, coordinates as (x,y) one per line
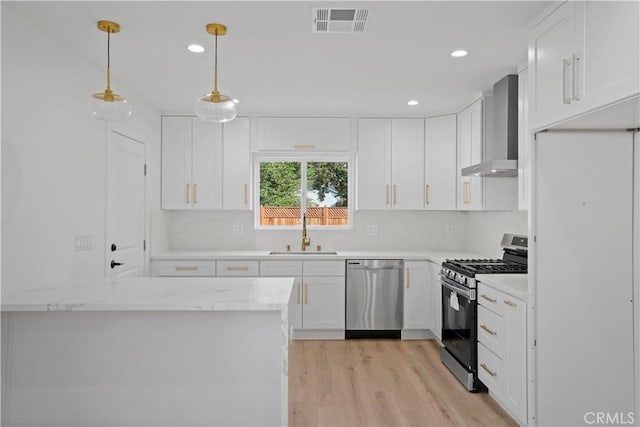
(363,267)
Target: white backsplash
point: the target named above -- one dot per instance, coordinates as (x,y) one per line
(479,232)
(395,231)
(485,230)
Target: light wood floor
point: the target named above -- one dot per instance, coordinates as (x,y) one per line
(381,383)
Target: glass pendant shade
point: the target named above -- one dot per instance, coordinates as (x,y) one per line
(215,107)
(115,110)
(220,109)
(108,105)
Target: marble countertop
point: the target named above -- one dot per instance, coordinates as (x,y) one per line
(516,285)
(434,256)
(156,294)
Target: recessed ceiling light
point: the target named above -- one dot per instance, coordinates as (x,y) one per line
(459,53)
(235,101)
(196,48)
(413,102)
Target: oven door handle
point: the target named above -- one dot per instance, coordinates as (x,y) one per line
(458,290)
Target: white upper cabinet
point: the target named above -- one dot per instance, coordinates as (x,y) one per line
(205,165)
(470,136)
(190,160)
(303,134)
(236,164)
(407,163)
(390,170)
(583,56)
(440,163)
(524,142)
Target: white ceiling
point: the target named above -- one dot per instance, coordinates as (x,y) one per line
(272,62)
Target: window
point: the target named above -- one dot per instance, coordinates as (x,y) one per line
(289,189)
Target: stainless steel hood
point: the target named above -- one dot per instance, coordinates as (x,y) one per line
(501,151)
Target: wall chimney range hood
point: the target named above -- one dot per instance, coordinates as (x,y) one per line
(501,151)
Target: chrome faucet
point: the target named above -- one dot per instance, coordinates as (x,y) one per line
(306,241)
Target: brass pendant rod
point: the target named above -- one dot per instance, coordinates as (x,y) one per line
(215,69)
(108,61)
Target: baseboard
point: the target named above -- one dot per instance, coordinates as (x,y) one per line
(318,334)
(417,334)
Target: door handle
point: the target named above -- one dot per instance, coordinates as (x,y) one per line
(186,194)
(575,60)
(195,193)
(565,86)
(395,194)
(426,191)
(387,196)
(115,264)
(408,278)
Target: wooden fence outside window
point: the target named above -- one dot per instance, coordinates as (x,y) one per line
(290,215)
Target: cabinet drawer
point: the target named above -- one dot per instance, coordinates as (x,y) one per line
(238,268)
(183,268)
(491,370)
(491,331)
(303,134)
(490,298)
(323,268)
(280,268)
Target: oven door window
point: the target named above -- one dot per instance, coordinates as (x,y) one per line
(458,324)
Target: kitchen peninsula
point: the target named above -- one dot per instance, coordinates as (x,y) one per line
(147,352)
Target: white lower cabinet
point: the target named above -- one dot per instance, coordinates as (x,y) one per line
(416,295)
(502,346)
(323,295)
(317,300)
(235,268)
(183,268)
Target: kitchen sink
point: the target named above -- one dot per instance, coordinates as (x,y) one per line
(303,253)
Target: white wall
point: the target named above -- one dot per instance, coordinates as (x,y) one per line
(485,230)
(396,230)
(53,158)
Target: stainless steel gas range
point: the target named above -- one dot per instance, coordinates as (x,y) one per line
(459,306)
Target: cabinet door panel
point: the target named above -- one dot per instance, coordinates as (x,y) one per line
(295,305)
(323,303)
(304,133)
(551,43)
(573,213)
(176,162)
(373,168)
(407,163)
(207,163)
(610,57)
(417,284)
(515,356)
(236,164)
(436,301)
(440,163)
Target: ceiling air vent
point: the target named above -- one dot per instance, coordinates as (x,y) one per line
(338,20)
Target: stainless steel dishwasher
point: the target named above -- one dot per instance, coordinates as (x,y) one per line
(374,298)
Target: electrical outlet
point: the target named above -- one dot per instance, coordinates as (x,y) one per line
(372,230)
(449,230)
(83,243)
(237,229)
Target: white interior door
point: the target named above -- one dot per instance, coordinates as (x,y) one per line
(125,206)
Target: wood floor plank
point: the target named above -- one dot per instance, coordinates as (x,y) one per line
(381,383)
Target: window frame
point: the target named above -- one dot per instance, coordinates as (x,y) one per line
(302,158)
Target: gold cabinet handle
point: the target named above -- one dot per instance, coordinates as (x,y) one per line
(426,193)
(246,194)
(298,293)
(237,268)
(575,61)
(510,303)
(489,371)
(465,193)
(488,330)
(299,146)
(190,268)
(187,194)
(408,278)
(195,193)
(387,196)
(306,293)
(395,194)
(487,298)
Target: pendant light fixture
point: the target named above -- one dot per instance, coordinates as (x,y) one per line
(215,107)
(108,105)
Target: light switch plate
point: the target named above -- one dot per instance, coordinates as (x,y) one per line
(449,231)
(83,243)
(237,229)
